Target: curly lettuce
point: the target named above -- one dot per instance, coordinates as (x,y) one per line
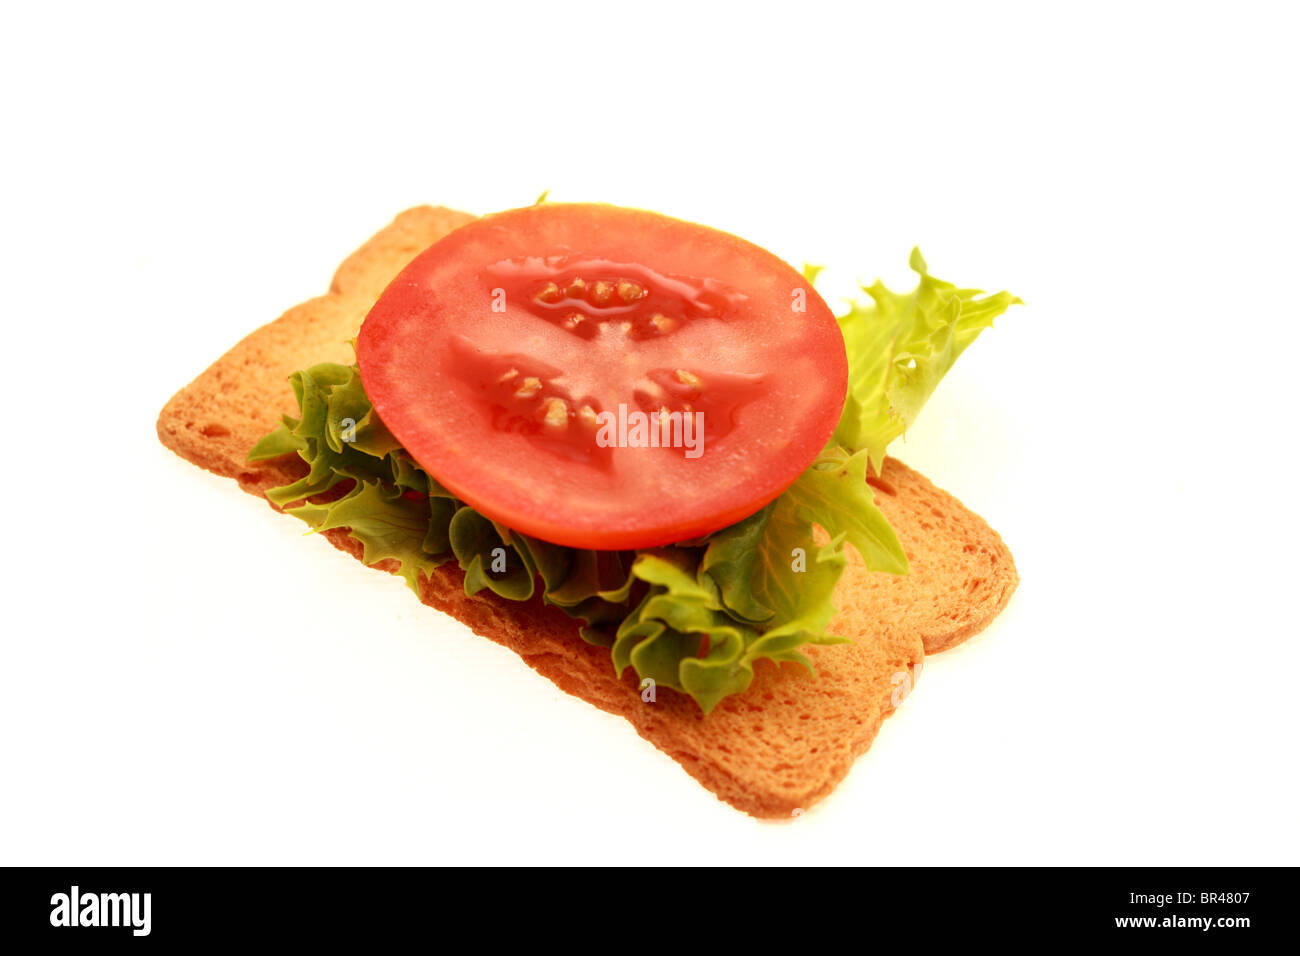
(695,617)
(900,346)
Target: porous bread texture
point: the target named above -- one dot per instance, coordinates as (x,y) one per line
(774,750)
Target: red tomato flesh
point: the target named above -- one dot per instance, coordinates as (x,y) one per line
(602,377)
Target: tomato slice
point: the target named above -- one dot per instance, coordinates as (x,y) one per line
(602,377)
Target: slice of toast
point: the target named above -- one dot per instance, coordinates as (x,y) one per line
(780,746)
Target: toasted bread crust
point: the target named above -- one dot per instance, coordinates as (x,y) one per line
(780,746)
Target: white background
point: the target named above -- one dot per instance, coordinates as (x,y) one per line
(186,678)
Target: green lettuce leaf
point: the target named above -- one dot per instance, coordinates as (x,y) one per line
(487,560)
(900,347)
(696,617)
(388,525)
(769,568)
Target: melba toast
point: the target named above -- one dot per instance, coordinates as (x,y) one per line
(761,730)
